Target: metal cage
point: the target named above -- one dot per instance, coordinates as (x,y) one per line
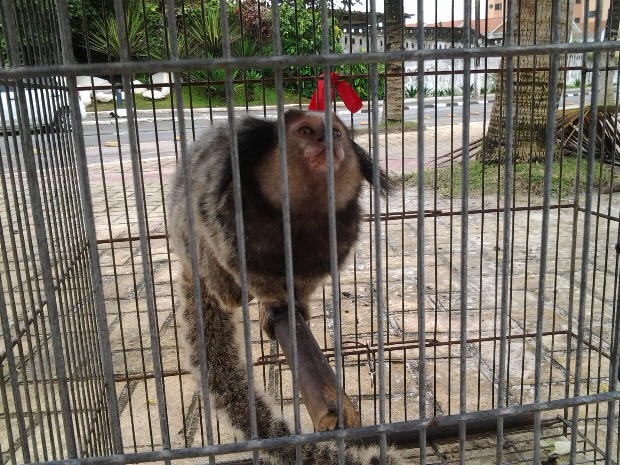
(477,319)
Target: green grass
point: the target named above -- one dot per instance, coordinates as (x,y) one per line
(528,177)
(198,98)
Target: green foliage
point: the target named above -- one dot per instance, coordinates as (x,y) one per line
(359,78)
(144,30)
(300,33)
(200,31)
(411,91)
(255,19)
(200,36)
(462,89)
(200,99)
(4,53)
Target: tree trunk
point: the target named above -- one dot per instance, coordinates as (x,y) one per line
(394,22)
(611,33)
(531,87)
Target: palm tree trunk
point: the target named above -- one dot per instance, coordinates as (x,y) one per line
(394,22)
(531,87)
(611,33)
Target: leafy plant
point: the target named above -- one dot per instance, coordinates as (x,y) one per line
(471,89)
(488,90)
(143,29)
(359,78)
(300,34)
(200,32)
(411,91)
(255,19)
(4,54)
(215,79)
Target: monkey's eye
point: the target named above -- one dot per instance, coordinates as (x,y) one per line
(337,133)
(304,131)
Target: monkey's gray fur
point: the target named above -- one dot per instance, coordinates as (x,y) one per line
(215,238)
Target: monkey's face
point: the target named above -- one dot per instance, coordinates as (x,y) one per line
(306,156)
(306,137)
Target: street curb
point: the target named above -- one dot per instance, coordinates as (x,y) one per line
(205,112)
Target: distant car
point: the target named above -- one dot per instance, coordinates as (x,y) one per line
(48,107)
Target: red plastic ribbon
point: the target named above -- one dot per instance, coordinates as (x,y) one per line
(349,97)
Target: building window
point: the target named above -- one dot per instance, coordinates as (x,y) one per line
(577,20)
(345,40)
(577,2)
(592,14)
(498,6)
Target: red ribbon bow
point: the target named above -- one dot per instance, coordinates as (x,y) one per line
(350,99)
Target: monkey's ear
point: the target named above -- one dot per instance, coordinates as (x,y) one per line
(387,185)
(255,139)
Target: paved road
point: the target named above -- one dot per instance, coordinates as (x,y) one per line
(163,129)
(157,135)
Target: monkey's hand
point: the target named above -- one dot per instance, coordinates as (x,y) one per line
(272,312)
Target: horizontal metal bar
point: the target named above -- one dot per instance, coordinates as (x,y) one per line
(23,329)
(279,359)
(281,62)
(410,214)
(130,239)
(601,215)
(591,346)
(351,434)
(513,423)
(587,440)
(122,377)
(369,217)
(270,359)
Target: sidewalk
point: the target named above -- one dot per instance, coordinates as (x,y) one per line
(125,300)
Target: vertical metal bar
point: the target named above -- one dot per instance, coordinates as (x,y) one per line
(333,240)
(26,297)
(576,202)
(14,377)
(286,222)
(40,233)
(585,251)
(549,149)
(612,420)
(243,274)
(89,225)
(143,232)
(10,453)
(376,204)
(506,236)
(185,167)
(421,281)
(464,230)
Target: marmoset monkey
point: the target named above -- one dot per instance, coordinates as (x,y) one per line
(215,238)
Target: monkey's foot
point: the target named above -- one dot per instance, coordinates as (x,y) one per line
(271,313)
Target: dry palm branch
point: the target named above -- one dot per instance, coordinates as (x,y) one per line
(607,136)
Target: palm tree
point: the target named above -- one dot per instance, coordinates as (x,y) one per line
(611,33)
(394,22)
(532,25)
